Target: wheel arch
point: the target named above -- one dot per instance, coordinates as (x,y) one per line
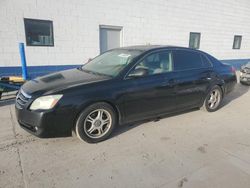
(82,107)
(205,103)
(222,87)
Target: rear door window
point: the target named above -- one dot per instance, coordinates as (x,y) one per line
(184,60)
(205,61)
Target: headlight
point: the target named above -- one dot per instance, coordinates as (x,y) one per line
(241,73)
(45,103)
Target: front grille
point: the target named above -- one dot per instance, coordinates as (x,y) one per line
(22,99)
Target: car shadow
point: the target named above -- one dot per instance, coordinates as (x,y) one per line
(238,91)
(127,127)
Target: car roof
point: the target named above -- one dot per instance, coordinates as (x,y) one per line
(154,47)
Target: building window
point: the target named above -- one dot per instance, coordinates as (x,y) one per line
(39,32)
(237,42)
(194,40)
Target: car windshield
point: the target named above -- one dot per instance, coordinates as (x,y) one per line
(112,62)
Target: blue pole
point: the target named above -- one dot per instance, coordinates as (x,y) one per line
(23,61)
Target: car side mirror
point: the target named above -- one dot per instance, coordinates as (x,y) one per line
(138,73)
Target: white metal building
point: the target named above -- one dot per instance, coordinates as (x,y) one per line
(69,32)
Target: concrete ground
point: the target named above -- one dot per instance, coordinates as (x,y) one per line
(194,149)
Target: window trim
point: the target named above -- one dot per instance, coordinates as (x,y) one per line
(40,21)
(190,39)
(205,56)
(173,62)
(234,42)
(146,55)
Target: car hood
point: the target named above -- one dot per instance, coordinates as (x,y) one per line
(60,80)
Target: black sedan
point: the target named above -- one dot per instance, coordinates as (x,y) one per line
(121,86)
(245,74)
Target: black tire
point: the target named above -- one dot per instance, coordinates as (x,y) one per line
(82,123)
(0,95)
(207,105)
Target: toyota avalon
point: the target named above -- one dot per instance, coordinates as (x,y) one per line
(122,86)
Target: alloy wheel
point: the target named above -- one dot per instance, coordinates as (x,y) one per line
(97,123)
(214,99)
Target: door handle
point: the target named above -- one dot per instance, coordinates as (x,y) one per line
(170,82)
(206,78)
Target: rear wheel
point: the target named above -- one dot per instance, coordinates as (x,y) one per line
(96,123)
(213,99)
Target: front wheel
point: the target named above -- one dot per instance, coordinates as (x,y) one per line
(213,99)
(96,123)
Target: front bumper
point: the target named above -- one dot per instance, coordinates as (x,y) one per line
(45,124)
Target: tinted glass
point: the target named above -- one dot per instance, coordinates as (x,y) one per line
(157,63)
(39,32)
(206,62)
(184,60)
